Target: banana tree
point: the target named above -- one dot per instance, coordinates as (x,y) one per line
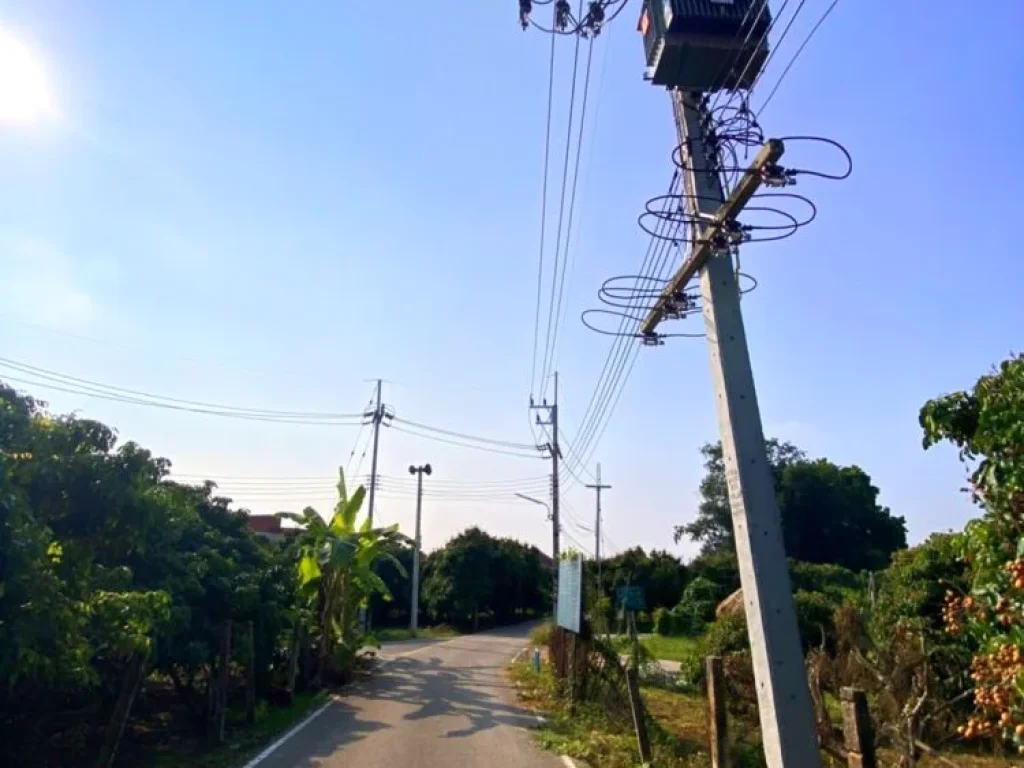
(336,568)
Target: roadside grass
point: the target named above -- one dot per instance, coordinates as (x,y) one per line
(392,634)
(244,741)
(678,731)
(589,736)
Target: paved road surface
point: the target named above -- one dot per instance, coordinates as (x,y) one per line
(431,704)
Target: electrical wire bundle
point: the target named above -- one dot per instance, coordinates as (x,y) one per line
(464,440)
(732,133)
(41,377)
(565,22)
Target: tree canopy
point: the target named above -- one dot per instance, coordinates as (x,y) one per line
(476,574)
(830,513)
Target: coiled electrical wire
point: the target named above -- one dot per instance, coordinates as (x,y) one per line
(630,334)
(735,230)
(820,174)
(644,299)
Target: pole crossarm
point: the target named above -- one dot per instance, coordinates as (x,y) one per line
(769,156)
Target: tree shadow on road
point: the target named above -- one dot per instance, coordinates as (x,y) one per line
(439,690)
(339,725)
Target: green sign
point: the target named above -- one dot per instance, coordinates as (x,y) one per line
(630,599)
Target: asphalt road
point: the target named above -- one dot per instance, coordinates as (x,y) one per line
(431,704)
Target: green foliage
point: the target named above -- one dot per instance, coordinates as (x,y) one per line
(814,616)
(987,425)
(101,558)
(477,577)
(720,568)
(829,513)
(664,622)
(727,635)
(697,608)
(337,563)
(712,525)
(911,593)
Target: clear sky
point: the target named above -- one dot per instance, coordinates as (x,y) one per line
(267,204)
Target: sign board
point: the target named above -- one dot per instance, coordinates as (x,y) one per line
(630,599)
(570,594)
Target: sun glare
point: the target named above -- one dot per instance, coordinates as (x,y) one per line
(25,95)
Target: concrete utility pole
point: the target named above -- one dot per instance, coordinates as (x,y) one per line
(597,523)
(377,416)
(552,421)
(414,611)
(787,721)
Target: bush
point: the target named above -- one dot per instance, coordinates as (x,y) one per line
(644,622)
(697,607)
(664,622)
(727,635)
(541,636)
(721,569)
(815,614)
(833,580)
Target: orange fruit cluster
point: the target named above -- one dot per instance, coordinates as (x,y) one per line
(995,675)
(1016,570)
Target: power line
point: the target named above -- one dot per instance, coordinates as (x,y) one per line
(543,211)
(45,373)
(623,351)
(65,383)
(572,197)
(428,436)
(796,55)
(464,436)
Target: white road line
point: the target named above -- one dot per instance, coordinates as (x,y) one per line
(289,733)
(311,717)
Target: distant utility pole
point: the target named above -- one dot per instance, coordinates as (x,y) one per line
(553,449)
(597,523)
(415,600)
(376,416)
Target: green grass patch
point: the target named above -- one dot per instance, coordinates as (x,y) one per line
(670,648)
(391,634)
(243,741)
(661,647)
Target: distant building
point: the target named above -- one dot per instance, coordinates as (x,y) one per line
(269,527)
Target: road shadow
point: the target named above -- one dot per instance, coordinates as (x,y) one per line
(436,689)
(340,725)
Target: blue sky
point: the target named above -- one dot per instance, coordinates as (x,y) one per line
(266,205)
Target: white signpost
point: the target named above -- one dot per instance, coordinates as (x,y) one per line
(570,594)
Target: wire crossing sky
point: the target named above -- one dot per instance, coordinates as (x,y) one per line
(218,222)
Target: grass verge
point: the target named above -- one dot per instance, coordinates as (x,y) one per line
(589,735)
(678,732)
(391,634)
(244,741)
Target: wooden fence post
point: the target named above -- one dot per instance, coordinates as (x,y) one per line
(250,677)
(857,731)
(225,681)
(130,684)
(717,719)
(293,659)
(639,722)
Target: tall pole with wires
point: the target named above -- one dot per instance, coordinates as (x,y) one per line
(553,449)
(598,487)
(377,416)
(380,412)
(787,719)
(414,602)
